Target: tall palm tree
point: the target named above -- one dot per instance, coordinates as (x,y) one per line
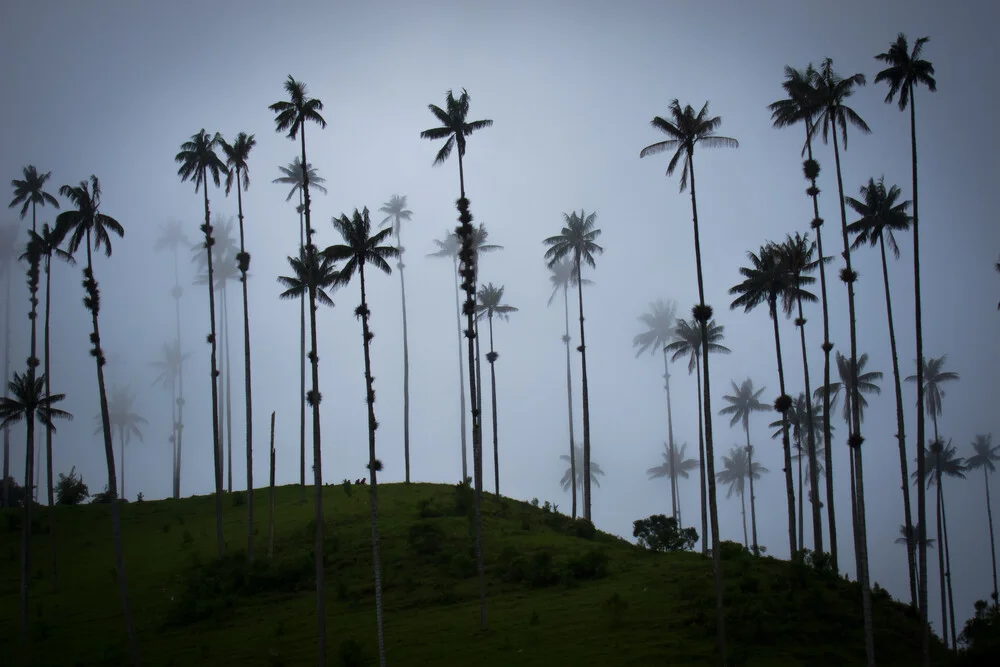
(912,535)
(905,71)
(660,323)
(688,343)
(396,214)
(199,162)
(237,155)
(934,375)
(172,238)
(984,456)
(8,257)
(30,191)
(361,247)
(797,427)
(28,400)
(744,401)
(686,129)
(562,275)
(568,480)
(880,217)
(87,225)
(170,365)
(804,105)
(491,304)
(674,466)
(455,128)
(578,240)
(297,177)
(767,280)
(33,256)
(736,469)
(314,273)
(121,408)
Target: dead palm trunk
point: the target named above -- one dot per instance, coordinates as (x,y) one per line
(743,503)
(461,375)
(753,503)
(782,404)
(492,358)
(243,260)
(229,391)
(270,501)
(406,360)
(586,399)
(701,465)
(569,399)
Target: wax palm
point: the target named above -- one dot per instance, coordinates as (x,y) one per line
(454,128)
(735,472)
(798,426)
(490,304)
(934,376)
(596,472)
(124,419)
(30,191)
(744,401)
(674,466)
(688,342)
(578,240)
(199,162)
(170,366)
(28,400)
(396,214)
(8,257)
(87,225)
(985,454)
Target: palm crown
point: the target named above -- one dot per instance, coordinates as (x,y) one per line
(674,463)
(942,461)
(660,323)
(27,397)
(576,240)
(685,129)
(237,155)
(454,126)
(744,401)
(121,411)
(311,269)
(169,364)
(832,90)
(30,190)
(802,103)
(880,215)
(396,213)
(866,384)
(562,275)
(934,376)
(736,470)
(767,279)
(491,303)
(292,175)
(905,69)
(689,341)
(199,160)
(360,247)
(796,256)
(86,219)
(985,454)
(567,478)
(172,237)
(291,115)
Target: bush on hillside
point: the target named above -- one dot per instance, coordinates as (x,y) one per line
(425,539)
(661,533)
(71,489)
(15,493)
(583,528)
(981,636)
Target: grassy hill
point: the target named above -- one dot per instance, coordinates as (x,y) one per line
(556,594)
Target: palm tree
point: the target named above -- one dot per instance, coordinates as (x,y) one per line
(934,376)
(563,276)
(121,408)
(985,454)
(396,214)
(736,469)
(797,426)
(688,342)
(87,225)
(744,401)
(766,280)
(28,400)
(906,70)
(33,256)
(578,239)
(803,104)
(455,128)
(912,535)
(490,305)
(170,365)
(880,217)
(674,466)
(172,238)
(30,191)
(314,273)
(660,324)
(198,162)
(8,256)
(686,129)
(361,247)
(568,479)
(296,176)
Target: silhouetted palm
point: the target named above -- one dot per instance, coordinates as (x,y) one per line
(491,304)
(880,217)
(28,400)
(913,536)
(798,416)
(567,481)
(124,418)
(199,162)
(170,366)
(934,376)
(578,240)
(455,128)
(8,257)
(984,456)
(87,225)
(744,401)
(30,191)
(735,471)
(688,342)
(396,214)
(674,466)
(905,72)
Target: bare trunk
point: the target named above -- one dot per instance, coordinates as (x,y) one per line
(743,504)
(302,369)
(701,465)
(216,448)
(229,392)
(6,378)
(947,571)
(270,503)
(406,362)
(493,394)
(753,496)
(586,400)
(461,376)
(798,448)
(569,399)
(674,496)
(993,551)
(244,264)
(785,444)
(817,519)
(29,470)
(48,428)
(941,573)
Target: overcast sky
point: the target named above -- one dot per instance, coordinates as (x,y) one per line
(114,88)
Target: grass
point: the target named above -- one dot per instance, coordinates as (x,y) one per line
(555,592)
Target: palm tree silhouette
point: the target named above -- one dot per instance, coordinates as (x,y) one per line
(361,247)
(688,342)
(912,535)
(798,427)
(30,191)
(674,466)
(455,128)
(568,481)
(578,239)
(660,323)
(396,214)
(296,176)
(744,401)
(28,400)
(686,129)
(171,365)
(490,305)
(198,162)
(984,456)
(735,471)
(905,72)
(33,256)
(87,225)
(804,105)
(237,155)
(124,418)
(8,257)
(880,217)
(934,376)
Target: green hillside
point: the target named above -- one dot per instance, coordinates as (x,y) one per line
(556,594)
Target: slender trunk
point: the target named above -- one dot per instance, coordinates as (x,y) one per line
(121,450)
(703,318)
(6,378)
(586,399)
(177,382)
(229,391)
(785,444)
(29,455)
(944,591)
(743,503)
(215,387)
(947,571)
(93,304)
(993,551)
(701,464)
(493,393)
(817,519)
(900,426)
(854,508)
(406,359)
(798,448)
(48,428)
(569,399)
(221,381)
(270,500)
(244,263)
(461,375)
(674,497)
(302,368)
(173,434)
(753,499)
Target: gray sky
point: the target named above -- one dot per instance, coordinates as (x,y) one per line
(113,88)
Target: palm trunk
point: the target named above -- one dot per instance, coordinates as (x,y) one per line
(29,469)
(993,551)
(121,455)
(785,444)
(944,592)
(229,392)
(674,497)
(703,316)
(817,519)
(461,376)
(493,393)
(221,381)
(701,465)
(947,571)
(753,498)
(179,398)
(743,503)
(817,224)
(798,448)
(302,370)
(569,399)
(48,427)
(586,400)
(270,500)
(6,378)
(215,374)
(173,434)
(900,426)
(406,362)
(244,263)
(93,305)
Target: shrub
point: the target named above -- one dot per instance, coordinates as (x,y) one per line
(239,498)
(540,570)
(729,550)
(15,491)
(591,565)
(462,565)
(981,635)
(346,486)
(465,498)
(583,528)
(425,539)
(102,498)
(70,489)
(660,533)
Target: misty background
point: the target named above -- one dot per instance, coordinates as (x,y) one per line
(114,87)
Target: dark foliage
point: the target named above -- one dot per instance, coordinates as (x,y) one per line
(71,489)
(660,533)
(981,636)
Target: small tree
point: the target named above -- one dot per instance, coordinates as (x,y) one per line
(660,533)
(71,489)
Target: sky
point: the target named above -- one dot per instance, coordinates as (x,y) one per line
(113,88)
